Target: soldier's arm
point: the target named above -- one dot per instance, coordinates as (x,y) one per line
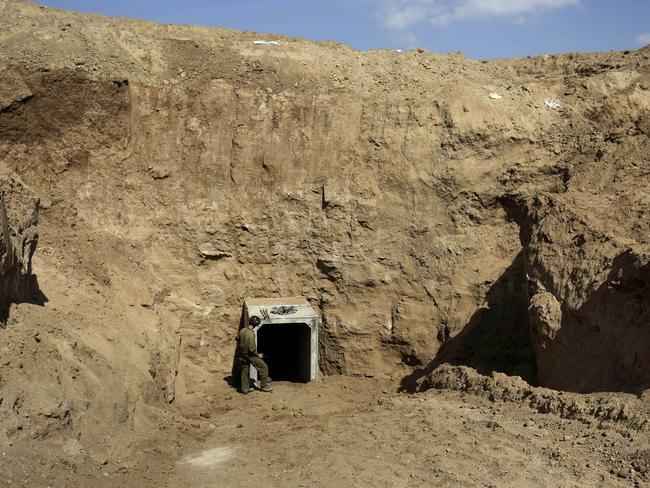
(255,353)
(252,347)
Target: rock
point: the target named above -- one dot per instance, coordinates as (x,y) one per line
(209,251)
(621,473)
(99,457)
(12,89)
(74,449)
(159,173)
(211,227)
(45,203)
(545,316)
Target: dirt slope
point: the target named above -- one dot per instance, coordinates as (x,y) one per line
(180,169)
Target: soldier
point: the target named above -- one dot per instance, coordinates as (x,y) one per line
(247,354)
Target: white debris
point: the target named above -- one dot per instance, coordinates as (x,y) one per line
(266,43)
(494,96)
(398,51)
(210,458)
(552,103)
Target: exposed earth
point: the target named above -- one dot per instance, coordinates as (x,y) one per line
(474,236)
(352,432)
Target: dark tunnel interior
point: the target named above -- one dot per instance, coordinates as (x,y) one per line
(286,349)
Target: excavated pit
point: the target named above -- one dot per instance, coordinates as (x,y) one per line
(182,169)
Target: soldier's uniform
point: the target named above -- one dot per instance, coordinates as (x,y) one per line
(247,355)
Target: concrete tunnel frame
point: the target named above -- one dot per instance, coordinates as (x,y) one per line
(300,327)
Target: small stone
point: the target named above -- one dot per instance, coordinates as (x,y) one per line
(620,473)
(158,173)
(209,251)
(45,203)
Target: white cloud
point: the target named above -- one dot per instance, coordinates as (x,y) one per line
(405,39)
(403,14)
(643,39)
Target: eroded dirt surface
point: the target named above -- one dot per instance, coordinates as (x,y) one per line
(344,432)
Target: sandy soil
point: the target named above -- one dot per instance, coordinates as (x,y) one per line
(344,432)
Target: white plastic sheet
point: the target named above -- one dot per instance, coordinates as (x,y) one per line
(552,103)
(494,96)
(266,43)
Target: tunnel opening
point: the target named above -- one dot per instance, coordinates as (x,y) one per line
(287,350)
(287,335)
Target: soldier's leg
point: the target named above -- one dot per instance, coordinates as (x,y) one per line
(245,376)
(262,370)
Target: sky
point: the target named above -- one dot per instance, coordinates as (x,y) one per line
(481,29)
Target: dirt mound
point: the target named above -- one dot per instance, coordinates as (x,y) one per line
(419,216)
(606,410)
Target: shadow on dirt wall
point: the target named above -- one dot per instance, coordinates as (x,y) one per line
(233,379)
(28,292)
(496,338)
(603,346)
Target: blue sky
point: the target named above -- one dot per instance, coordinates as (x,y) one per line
(482,29)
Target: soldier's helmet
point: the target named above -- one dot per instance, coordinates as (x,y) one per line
(254,321)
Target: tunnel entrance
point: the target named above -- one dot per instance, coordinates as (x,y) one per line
(286,349)
(287,335)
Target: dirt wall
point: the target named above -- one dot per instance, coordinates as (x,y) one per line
(589,304)
(181,169)
(18,240)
